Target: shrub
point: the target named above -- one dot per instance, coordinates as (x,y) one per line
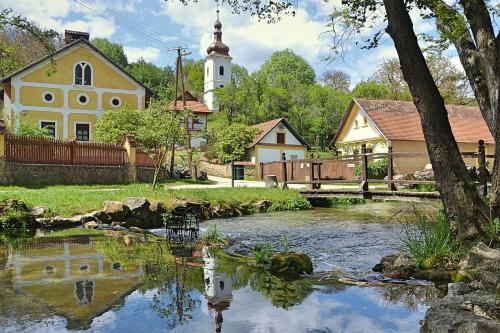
(233,141)
(376,169)
(32,130)
(429,239)
(493,231)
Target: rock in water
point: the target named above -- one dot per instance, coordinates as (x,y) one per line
(116,210)
(471,308)
(396,266)
(291,264)
(139,208)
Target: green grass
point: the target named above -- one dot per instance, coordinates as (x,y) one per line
(429,240)
(73,232)
(70,200)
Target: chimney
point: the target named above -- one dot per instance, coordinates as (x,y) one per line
(71,36)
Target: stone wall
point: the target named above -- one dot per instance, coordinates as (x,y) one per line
(146,174)
(223,170)
(12,173)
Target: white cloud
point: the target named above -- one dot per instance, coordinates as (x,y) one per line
(147,53)
(250,41)
(95,25)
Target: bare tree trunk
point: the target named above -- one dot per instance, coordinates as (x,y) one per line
(158,165)
(464,207)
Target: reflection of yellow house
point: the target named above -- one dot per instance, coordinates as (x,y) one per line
(72,279)
(69,101)
(383,123)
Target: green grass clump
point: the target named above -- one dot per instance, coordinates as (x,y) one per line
(263,254)
(429,240)
(298,203)
(73,232)
(212,236)
(493,231)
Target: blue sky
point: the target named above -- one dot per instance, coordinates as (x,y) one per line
(148,28)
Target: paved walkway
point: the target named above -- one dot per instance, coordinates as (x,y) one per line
(226,182)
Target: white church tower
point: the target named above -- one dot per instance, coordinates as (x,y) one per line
(217,67)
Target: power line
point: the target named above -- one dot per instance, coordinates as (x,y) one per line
(144,32)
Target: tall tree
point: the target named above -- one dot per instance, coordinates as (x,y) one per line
(113,51)
(284,65)
(193,71)
(336,79)
(156,78)
(371,89)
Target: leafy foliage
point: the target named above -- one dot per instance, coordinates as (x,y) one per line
(113,125)
(263,254)
(285,68)
(113,51)
(160,80)
(212,236)
(376,169)
(28,129)
(299,203)
(493,231)
(232,142)
(371,90)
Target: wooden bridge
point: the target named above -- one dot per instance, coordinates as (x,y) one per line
(339,171)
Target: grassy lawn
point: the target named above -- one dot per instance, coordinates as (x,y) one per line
(68,200)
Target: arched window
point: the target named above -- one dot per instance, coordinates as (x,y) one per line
(365,121)
(221,70)
(83,74)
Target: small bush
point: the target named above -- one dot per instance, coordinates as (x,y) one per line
(285,243)
(376,169)
(213,236)
(263,254)
(292,204)
(430,239)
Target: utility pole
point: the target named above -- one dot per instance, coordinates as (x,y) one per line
(186,117)
(172,157)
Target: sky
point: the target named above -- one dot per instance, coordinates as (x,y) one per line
(151,28)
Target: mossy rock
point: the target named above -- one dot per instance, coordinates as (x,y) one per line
(14,214)
(291,264)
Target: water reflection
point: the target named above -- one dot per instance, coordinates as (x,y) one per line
(141,284)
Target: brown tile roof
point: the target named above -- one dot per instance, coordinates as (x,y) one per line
(399,120)
(191,102)
(267,126)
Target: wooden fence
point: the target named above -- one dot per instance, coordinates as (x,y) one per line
(143,159)
(340,170)
(38,150)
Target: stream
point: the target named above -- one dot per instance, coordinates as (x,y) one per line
(143,284)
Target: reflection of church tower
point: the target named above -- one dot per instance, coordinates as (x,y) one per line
(218,288)
(217,67)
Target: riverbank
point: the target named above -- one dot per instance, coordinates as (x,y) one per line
(67,201)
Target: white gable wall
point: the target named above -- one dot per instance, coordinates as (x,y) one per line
(362,133)
(270,137)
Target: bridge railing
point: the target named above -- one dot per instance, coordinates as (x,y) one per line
(340,169)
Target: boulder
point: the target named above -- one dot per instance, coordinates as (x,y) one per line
(9,205)
(271,181)
(262,205)
(137,230)
(396,266)
(90,225)
(291,264)
(482,265)
(139,208)
(116,210)
(60,222)
(39,211)
(202,175)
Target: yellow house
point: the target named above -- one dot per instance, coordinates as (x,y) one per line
(274,138)
(383,123)
(69,100)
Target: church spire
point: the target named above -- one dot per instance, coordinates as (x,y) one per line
(218,47)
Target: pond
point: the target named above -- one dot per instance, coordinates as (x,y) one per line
(143,284)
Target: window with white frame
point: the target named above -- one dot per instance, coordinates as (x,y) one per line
(83,74)
(82,131)
(50,126)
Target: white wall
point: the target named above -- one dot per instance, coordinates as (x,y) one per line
(274,154)
(213,80)
(270,137)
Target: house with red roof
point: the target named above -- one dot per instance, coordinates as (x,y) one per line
(197,122)
(274,138)
(383,123)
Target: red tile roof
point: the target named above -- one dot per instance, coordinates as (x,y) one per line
(191,102)
(399,120)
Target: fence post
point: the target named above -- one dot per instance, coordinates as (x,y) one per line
(283,170)
(2,138)
(232,173)
(483,172)
(261,170)
(312,186)
(73,152)
(131,147)
(390,168)
(364,170)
